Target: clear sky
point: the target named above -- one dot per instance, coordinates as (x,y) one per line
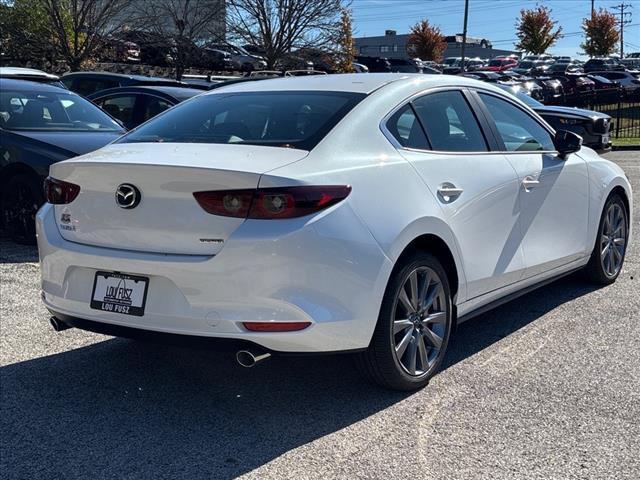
(491,19)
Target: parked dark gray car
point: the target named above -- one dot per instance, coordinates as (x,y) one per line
(40,125)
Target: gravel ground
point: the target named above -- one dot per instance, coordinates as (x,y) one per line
(545,387)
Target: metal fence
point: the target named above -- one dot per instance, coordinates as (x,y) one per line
(623,109)
(626,115)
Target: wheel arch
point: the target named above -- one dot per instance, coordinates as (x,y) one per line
(619,190)
(622,188)
(13,169)
(437,246)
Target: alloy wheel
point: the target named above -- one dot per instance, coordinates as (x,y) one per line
(419,321)
(613,240)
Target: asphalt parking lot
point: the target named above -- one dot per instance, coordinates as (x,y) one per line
(545,387)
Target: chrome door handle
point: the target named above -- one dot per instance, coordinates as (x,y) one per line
(530,182)
(449,192)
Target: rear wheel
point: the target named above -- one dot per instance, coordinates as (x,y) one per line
(413,328)
(608,253)
(21,198)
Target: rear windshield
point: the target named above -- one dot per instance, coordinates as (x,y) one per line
(294,119)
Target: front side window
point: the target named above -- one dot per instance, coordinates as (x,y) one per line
(29,110)
(519,131)
(293,119)
(449,122)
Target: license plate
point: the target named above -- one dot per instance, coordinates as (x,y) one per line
(119,293)
(605,139)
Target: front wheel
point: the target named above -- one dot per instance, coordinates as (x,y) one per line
(413,328)
(609,251)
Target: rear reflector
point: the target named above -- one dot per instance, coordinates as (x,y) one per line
(59,192)
(272,203)
(275,326)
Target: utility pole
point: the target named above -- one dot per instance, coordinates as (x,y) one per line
(464,33)
(593,8)
(622,22)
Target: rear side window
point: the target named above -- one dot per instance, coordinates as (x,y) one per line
(406,129)
(154,106)
(519,131)
(120,107)
(449,122)
(294,119)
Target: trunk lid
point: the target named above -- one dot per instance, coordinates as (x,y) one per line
(167,218)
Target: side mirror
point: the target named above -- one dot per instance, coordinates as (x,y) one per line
(567,142)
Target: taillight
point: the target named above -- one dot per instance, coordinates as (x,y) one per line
(275,326)
(59,192)
(272,203)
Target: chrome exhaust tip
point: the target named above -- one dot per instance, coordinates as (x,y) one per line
(249,359)
(58,325)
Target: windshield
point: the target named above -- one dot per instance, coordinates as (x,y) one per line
(32,110)
(496,63)
(293,119)
(526,65)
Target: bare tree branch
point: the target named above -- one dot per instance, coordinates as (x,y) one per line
(280,26)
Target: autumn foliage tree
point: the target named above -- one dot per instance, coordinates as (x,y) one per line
(345,50)
(535,30)
(601,34)
(426,42)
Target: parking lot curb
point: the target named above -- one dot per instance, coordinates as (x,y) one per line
(625,147)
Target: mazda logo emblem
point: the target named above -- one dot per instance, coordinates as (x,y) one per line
(127,196)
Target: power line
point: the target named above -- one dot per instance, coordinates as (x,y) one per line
(622,22)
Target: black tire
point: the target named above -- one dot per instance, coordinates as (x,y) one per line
(379,362)
(22,196)
(595,270)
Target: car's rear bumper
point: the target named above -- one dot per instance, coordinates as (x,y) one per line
(329,271)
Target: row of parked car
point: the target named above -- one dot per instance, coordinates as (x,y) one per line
(151,48)
(552,80)
(45,119)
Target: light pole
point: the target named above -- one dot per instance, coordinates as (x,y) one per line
(464,34)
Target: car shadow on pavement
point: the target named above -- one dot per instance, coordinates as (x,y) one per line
(486,329)
(11,252)
(120,408)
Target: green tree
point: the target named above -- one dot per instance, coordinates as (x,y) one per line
(601,34)
(535,30)
(426,42)
(24,32)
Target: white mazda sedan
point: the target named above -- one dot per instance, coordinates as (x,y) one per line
(337,213)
